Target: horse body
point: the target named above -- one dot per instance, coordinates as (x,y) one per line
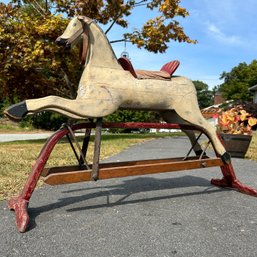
(104,74)
(104,87)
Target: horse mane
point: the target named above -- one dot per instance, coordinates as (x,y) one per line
(85,19)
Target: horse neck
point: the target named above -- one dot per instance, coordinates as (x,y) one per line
(100,50)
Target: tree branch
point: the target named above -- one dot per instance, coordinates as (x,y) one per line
(40,7)
(140,3)
(119,40)
(36,9)
(114,21)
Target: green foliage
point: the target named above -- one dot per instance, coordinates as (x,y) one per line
(7,101)
(238,80)
(204,95)
(131,116)
(48,120)
(32,65)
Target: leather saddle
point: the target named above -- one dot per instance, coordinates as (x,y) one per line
(165,72)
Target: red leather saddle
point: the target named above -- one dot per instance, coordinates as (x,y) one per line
(165,73)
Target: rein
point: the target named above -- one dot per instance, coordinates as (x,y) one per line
(85,39)
(84,45)
(83,48)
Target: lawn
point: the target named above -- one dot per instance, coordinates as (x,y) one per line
(17,158)
(252,150)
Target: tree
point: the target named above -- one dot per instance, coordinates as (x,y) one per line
(32,65)
(132,116)
(238,80)
(204,95)
(155,33)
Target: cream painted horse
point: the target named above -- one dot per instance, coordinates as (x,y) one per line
(105,87)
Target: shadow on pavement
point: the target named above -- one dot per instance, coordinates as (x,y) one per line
(126,189)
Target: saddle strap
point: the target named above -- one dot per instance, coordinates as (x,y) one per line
(145,74)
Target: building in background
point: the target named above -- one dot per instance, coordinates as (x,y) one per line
(253,90)
(211,113)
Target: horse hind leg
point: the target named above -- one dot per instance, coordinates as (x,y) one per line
(191,113)
(172,117)
(194,116)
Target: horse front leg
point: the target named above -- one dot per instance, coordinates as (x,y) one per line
(90,107)
(17,111)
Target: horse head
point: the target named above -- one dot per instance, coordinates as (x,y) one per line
(76,31)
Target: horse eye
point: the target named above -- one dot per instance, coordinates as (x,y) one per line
(74,24)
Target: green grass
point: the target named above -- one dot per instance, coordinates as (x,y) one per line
(7,126)
(17,158)
(252,150)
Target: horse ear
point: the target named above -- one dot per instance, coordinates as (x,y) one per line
(85,19)
(80,18)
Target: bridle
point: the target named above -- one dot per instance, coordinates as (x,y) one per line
(84,32)
(85,38)
(83,47)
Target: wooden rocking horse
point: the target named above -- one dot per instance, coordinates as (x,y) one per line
(105,86)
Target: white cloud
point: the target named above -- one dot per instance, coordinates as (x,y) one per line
(216,33)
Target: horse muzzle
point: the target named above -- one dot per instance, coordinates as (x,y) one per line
(63,42)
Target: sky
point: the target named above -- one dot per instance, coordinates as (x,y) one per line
(226,31)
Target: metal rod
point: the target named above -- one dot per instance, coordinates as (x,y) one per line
(193,145)
(84,162)
(73,148)
(95,167)
(205,148)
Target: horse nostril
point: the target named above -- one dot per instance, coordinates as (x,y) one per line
(61,41)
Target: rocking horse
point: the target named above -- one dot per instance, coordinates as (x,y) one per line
(105,86)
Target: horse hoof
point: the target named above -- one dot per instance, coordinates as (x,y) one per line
(16,111)
(226,158)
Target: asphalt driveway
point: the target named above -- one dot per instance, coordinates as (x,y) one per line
(170,214)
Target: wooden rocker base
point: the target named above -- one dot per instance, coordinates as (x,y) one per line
(96,170)
(73,174)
